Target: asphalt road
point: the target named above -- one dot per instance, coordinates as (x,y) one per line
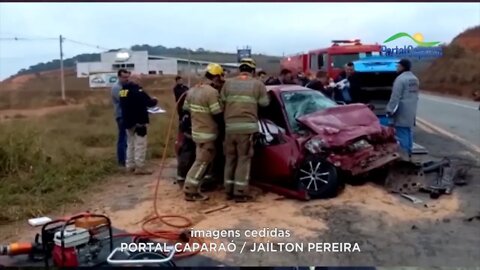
(458,117)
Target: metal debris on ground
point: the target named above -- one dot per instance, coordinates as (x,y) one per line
(413,199)
(408,176)
(405,178)
(476,217)
(447,178)
(432,166)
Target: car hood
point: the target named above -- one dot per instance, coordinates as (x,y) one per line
(340,125)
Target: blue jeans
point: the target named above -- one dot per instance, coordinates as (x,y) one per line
(346,95)
(121,142)
(404,136)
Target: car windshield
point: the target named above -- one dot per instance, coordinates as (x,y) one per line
(300,103)
(339,60)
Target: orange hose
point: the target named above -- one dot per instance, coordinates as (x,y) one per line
(169,235)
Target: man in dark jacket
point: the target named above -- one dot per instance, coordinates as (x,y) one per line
(135,103)
(320,84)
(186,151)
(351,92)
(302,79)
(179,88)
(346,72)
(286,77)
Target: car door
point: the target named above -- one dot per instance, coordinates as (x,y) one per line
(275,161)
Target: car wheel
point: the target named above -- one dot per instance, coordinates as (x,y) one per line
(318,178)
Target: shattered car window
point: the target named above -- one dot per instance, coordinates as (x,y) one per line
(300,103)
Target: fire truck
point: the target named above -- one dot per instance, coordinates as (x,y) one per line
(331,59)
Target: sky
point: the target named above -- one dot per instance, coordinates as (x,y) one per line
(269,28)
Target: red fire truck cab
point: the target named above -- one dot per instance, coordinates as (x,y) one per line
(331,59)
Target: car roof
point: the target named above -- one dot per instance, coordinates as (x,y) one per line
(286,87)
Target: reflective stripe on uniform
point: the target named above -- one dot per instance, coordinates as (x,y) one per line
(203,136)
(241,98)
(199,108)
(192,181)
(229,182)
(240,183)
(200,171)
(241,126)
(264,101)
(186,105)
(215,108)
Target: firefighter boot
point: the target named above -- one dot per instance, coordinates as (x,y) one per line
(195,197)
(205,153)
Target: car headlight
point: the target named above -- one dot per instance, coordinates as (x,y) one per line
(359,145)
(316,146)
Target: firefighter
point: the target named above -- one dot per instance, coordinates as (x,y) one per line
(186,152)
(215,171)
(203,103)
(241,96)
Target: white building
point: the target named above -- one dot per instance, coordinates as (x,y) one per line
(142,63)
(136,61)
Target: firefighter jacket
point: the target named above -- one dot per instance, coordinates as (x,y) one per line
(242,96)
(203,103)
(134,103)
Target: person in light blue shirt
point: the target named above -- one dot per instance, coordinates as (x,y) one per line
(123,76)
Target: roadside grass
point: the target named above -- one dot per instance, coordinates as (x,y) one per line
(47,162)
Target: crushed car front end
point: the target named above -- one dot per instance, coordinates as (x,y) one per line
(351,138)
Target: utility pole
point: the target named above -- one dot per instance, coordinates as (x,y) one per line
(62,78)
(189,69)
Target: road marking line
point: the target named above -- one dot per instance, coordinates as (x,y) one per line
(427,129)
(448,102)
(466,143)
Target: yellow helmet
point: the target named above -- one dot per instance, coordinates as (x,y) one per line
(248,62)
(215,69)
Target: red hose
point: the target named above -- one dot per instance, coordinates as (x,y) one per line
(169,235)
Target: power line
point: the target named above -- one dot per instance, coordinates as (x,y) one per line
(86,44)
(38,38)
(27,39)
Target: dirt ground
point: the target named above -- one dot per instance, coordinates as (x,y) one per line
(389,229)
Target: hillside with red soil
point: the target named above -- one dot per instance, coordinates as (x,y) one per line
(458,71)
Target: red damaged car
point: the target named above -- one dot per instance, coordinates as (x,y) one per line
(312,144)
